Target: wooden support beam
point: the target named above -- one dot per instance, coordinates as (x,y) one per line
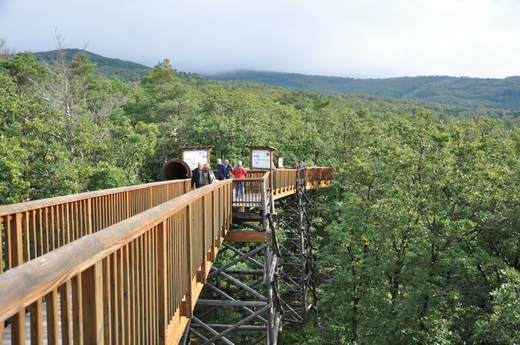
(243,327)
(228,303)
(247,236)
(247,217)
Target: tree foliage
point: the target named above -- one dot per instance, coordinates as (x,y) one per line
(424,229)
(59,121)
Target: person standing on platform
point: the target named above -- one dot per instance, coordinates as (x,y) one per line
(221,170)
(200,176)
(239,172)
(212,178)
(302,165)
(229,169)
(295,165)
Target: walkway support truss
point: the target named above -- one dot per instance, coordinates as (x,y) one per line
(262,282)
(298,290)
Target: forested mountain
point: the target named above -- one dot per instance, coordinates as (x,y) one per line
(463,91)
(417,241)
(458,91)
(123,70)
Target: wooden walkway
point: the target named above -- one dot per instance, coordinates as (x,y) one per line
(138,280)
(248,200)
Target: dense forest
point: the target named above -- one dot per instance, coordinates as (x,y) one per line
(417,240)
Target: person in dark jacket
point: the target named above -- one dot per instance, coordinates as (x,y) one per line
(221,170)
(200,176)
(229,169)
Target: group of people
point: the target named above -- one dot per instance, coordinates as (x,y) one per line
(296,166)
(203,175)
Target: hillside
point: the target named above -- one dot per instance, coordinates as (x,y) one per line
(501,94)
(126,71)
(461,91)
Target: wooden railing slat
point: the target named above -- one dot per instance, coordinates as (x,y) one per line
(92,291)
(53,336)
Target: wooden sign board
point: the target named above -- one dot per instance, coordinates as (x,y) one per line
(193,155)
(261,157)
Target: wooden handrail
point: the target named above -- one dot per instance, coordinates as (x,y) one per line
(150,266)
(34,228)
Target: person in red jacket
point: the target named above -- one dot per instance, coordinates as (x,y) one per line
(239,172)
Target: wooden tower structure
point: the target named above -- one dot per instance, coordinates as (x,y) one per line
(259,282)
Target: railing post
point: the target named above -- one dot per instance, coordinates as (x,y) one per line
(205,229)
(188,304)
(92,289)
(162,288)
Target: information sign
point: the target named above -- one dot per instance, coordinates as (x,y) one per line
(192,158)
(261,159)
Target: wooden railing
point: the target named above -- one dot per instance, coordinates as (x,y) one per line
(31,229)
(258,185)
(135,282)
(255,190)
(285,179)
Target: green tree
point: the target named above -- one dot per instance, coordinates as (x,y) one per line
(163,100)
(502,326)
(62,144)
(25,72)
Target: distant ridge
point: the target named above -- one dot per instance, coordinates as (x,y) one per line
(126,71)
(457,91)
(461,91)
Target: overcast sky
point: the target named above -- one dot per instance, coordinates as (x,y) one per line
(346,38)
